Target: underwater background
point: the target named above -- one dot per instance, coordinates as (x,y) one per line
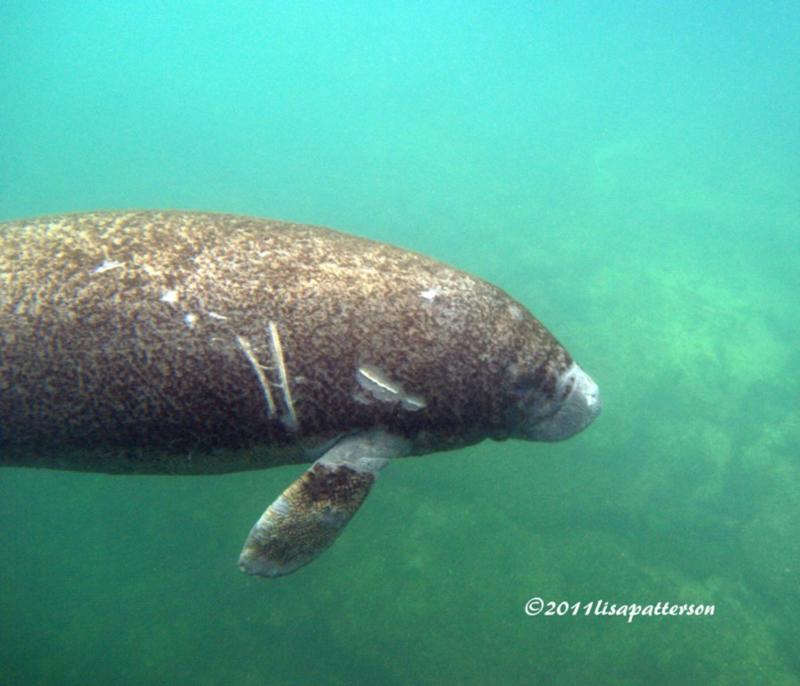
(630,171)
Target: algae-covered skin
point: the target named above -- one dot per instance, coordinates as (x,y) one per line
(145,342)
(185,343)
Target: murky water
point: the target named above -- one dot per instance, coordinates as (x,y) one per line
(627,170)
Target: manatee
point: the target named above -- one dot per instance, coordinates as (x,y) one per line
(168,342)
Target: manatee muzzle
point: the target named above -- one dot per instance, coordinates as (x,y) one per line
(578,408)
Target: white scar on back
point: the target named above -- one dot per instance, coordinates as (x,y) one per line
(277,353)
(247,349)
(381,387)
(431,293)
(106,266)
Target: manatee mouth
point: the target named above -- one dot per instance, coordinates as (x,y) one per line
(579,408)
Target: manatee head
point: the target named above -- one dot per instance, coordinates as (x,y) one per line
(571,405)
(549,397)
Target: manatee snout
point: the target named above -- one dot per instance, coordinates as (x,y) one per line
(579,407)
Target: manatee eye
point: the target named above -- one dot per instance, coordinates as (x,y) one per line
(523,385)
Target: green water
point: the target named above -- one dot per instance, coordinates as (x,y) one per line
(628,170)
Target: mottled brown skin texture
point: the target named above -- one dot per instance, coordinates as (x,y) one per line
(120,343)
(327,499)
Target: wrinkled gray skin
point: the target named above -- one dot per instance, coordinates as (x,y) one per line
(193,343)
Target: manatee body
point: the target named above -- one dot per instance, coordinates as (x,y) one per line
(196,343)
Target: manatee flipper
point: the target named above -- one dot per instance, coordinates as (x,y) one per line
(308,516)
